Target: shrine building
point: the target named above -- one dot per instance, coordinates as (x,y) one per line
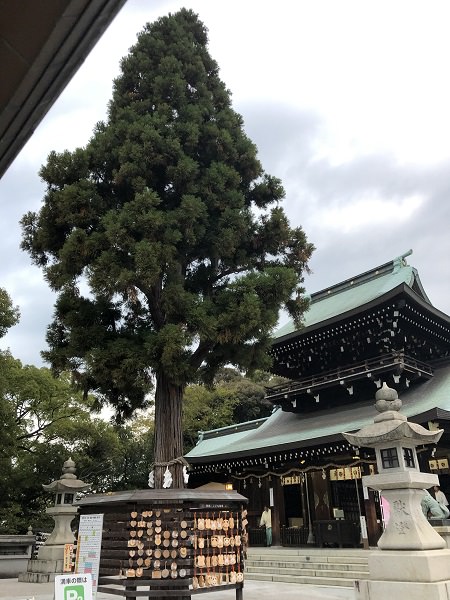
(376,327)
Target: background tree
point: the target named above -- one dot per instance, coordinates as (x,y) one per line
(233,399)
(115,457)
(169,218)
(9,314)
(36,411)
(43,423)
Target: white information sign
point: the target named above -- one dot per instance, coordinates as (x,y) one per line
(73,587)
(363,527)
(88,547)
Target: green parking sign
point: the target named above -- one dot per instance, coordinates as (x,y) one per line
(73,586)
(74,592)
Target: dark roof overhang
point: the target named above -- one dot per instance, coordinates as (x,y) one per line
(400,292)
(279,448)
(42,45)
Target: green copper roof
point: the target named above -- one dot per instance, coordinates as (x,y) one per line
(285,430)
(358,291)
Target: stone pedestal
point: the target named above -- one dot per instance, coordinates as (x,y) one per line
(415,575)
(50,560)
(42,571)
(408,528)
(63,515)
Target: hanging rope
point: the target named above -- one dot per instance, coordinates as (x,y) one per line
(180,460)
(305,470)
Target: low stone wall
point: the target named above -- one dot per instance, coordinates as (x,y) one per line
(15,551)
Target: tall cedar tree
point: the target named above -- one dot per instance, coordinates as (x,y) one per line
(169,219)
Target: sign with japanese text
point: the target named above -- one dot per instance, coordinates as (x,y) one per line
(291,479)
(89,545)
(68,554)
(73,587)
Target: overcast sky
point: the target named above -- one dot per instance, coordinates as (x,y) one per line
(348,103)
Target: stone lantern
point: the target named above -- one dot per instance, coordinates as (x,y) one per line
(410,558)
(50,558)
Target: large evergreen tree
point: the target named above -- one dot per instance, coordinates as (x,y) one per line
(170,220)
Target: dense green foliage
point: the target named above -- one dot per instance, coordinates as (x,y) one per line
(36,411)
(233,399)
(43,423)
(9,314)
(170,220)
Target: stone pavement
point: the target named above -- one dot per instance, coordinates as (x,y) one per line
(11,589)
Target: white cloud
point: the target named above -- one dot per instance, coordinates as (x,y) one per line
(369,210)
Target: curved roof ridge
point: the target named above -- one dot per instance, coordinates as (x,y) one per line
(418,287)
(392,266)
(358,291)
(237,427)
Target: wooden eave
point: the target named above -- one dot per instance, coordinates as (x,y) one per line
(347,375)
(270,450)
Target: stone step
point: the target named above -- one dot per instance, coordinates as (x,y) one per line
(30,577)
(360,556)
(315,566)
(284,564)
(317,581)
(333,573)
(311,552)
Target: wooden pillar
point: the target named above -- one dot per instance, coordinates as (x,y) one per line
(373,525)
(278,510)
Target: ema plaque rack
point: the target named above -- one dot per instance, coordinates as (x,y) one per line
(169,543)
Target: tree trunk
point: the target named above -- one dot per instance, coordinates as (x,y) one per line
(168,431)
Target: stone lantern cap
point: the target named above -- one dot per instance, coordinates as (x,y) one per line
(68,481)
(390,425)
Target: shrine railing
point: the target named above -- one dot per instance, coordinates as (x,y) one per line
(294,536)
(371,368)
(289,536)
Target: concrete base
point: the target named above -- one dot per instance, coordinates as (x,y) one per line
(386,590)
(415,575)
(37,577)
(425,567)
(51,552)
(42,571)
